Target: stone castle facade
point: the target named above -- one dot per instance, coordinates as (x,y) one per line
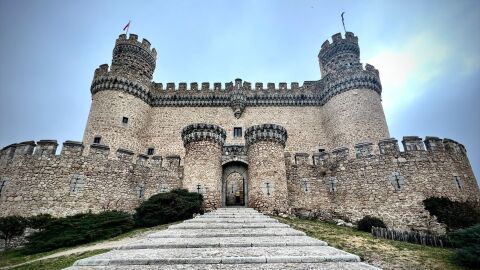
(320,149)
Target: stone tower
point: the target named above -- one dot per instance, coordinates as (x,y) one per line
(353,112)
(118,114)
(203,165)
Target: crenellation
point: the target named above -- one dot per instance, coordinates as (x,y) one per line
(125,155)
(301,158)
(389,147)
(364,149)
(270,86)
(46,148)
(340,153)
(170,86)
(412,143)
(194,86)
(72,149)
(205,86)
(182,86)
(453,146)
(100,151)
(258,86)
(434,144)
(25,148)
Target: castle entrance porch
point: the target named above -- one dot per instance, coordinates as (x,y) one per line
(234,184)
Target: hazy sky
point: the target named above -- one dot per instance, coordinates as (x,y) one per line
(427,52)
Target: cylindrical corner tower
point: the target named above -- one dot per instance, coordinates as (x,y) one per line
(203,162)
(120,102)
(353,111)
(267,177)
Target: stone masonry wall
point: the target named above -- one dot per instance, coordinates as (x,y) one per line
(70,183)
(203,167)
(391,185)
(267,180)
(105,120)
(352,117)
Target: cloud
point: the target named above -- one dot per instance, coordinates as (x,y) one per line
(406,70)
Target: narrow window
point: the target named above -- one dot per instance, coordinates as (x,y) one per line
(97,139)
(457,181)
(237,132)
(150,151)
(321,150)
(125,120)
(2,186)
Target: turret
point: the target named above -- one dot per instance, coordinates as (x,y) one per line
(134,59)
(342,53)
(353,111)
(119,96)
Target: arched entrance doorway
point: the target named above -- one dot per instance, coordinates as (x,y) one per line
(234,184)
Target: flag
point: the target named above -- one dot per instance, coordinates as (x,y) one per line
(126,26)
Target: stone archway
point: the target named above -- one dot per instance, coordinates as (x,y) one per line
(235,184)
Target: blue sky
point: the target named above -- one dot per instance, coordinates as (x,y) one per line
(427,53)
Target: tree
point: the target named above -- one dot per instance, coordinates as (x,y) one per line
(11,227)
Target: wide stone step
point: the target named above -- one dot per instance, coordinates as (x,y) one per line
(179,233)
(227,225)
(261,241)
(232,216)
(246,266)
(226,255)
(230,220)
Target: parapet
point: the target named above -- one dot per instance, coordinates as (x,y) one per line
(46,148)
(341,53)
(74,151)
(133,58)
(363,149)
(72,148)
(412,143)
(266,132)
(203,132)
(389,147)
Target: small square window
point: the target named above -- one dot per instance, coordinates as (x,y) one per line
(321,150)
(150,151)
(237,132)
(125,120)
(97,139)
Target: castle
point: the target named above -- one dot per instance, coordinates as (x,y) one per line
(319,149)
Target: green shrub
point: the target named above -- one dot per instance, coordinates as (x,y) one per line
(11,227)
(179,204)
(78,229)
(467,242)
(367,222)
(454,214)
(39,221)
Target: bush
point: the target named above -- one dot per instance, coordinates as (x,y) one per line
(11,227)
(78,229)
(454,214)
(179,204)
(367,222)
(39,221)
(468,243)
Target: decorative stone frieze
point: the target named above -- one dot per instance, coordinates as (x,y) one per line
(203,132)
(266,132)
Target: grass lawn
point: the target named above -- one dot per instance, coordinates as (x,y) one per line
(386,254)
(16,256)
(59,262)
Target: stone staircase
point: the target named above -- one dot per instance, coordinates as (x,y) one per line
(228,238)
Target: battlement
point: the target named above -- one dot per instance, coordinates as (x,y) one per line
(413,146)
(195,87)
(74,150)
(266,132)
(133,40)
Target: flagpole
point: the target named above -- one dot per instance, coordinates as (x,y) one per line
(128,27)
